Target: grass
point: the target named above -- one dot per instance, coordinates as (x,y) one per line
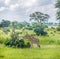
(53,36)
(29,53)
(50,47)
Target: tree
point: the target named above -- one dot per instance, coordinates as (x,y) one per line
(5,23)
(39,17)
(57,5)
(40,31)
(14,24)
(58,11)
(36,24)
(22,24)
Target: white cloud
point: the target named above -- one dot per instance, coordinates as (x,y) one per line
(7,2)
(2,9)
(24,8)
(48,9)
(28,3)
(13,6)
(21,4)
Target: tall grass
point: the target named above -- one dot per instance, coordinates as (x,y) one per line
(32,53)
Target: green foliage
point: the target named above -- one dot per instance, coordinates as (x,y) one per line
(6,30)
(39,30)
(17,43)
(46,26)
(14,24)
(1,41)
(20,43)
(52,28)
(57,5)
(39,17)
(5,23)
(36,24)
(51,41)
(7,42)
(19,25)
(58,28)
(28,45)
(29,27)
(3,37)
(58,11)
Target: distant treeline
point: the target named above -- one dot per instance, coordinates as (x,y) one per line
(6,23)
(52,24)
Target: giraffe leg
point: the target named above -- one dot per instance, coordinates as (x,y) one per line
(32,45)
(38,45)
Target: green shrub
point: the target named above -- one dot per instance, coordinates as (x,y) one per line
(1,42)
(29,28)
(58,42)
(20,43)
(58,28)
(17,43)
(40,31)
(28,45)
(52,28)
(51,32)
(54,31)
(6,30)
(7,42)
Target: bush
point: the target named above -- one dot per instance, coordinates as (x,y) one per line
(54,31)
(17,43)
(28,45)
(20,43)
(29,28)
(1,42)
(52,28)
(45,26)
(43,33)
(58,28)
(6,30)
(51,32)
(40,31)
(7,42)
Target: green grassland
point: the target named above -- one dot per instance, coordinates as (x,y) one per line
(53,36)
(50,46)
(29,53)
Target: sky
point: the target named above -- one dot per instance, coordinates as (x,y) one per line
(19,10)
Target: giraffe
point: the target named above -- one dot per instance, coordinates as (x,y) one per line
(33,40)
